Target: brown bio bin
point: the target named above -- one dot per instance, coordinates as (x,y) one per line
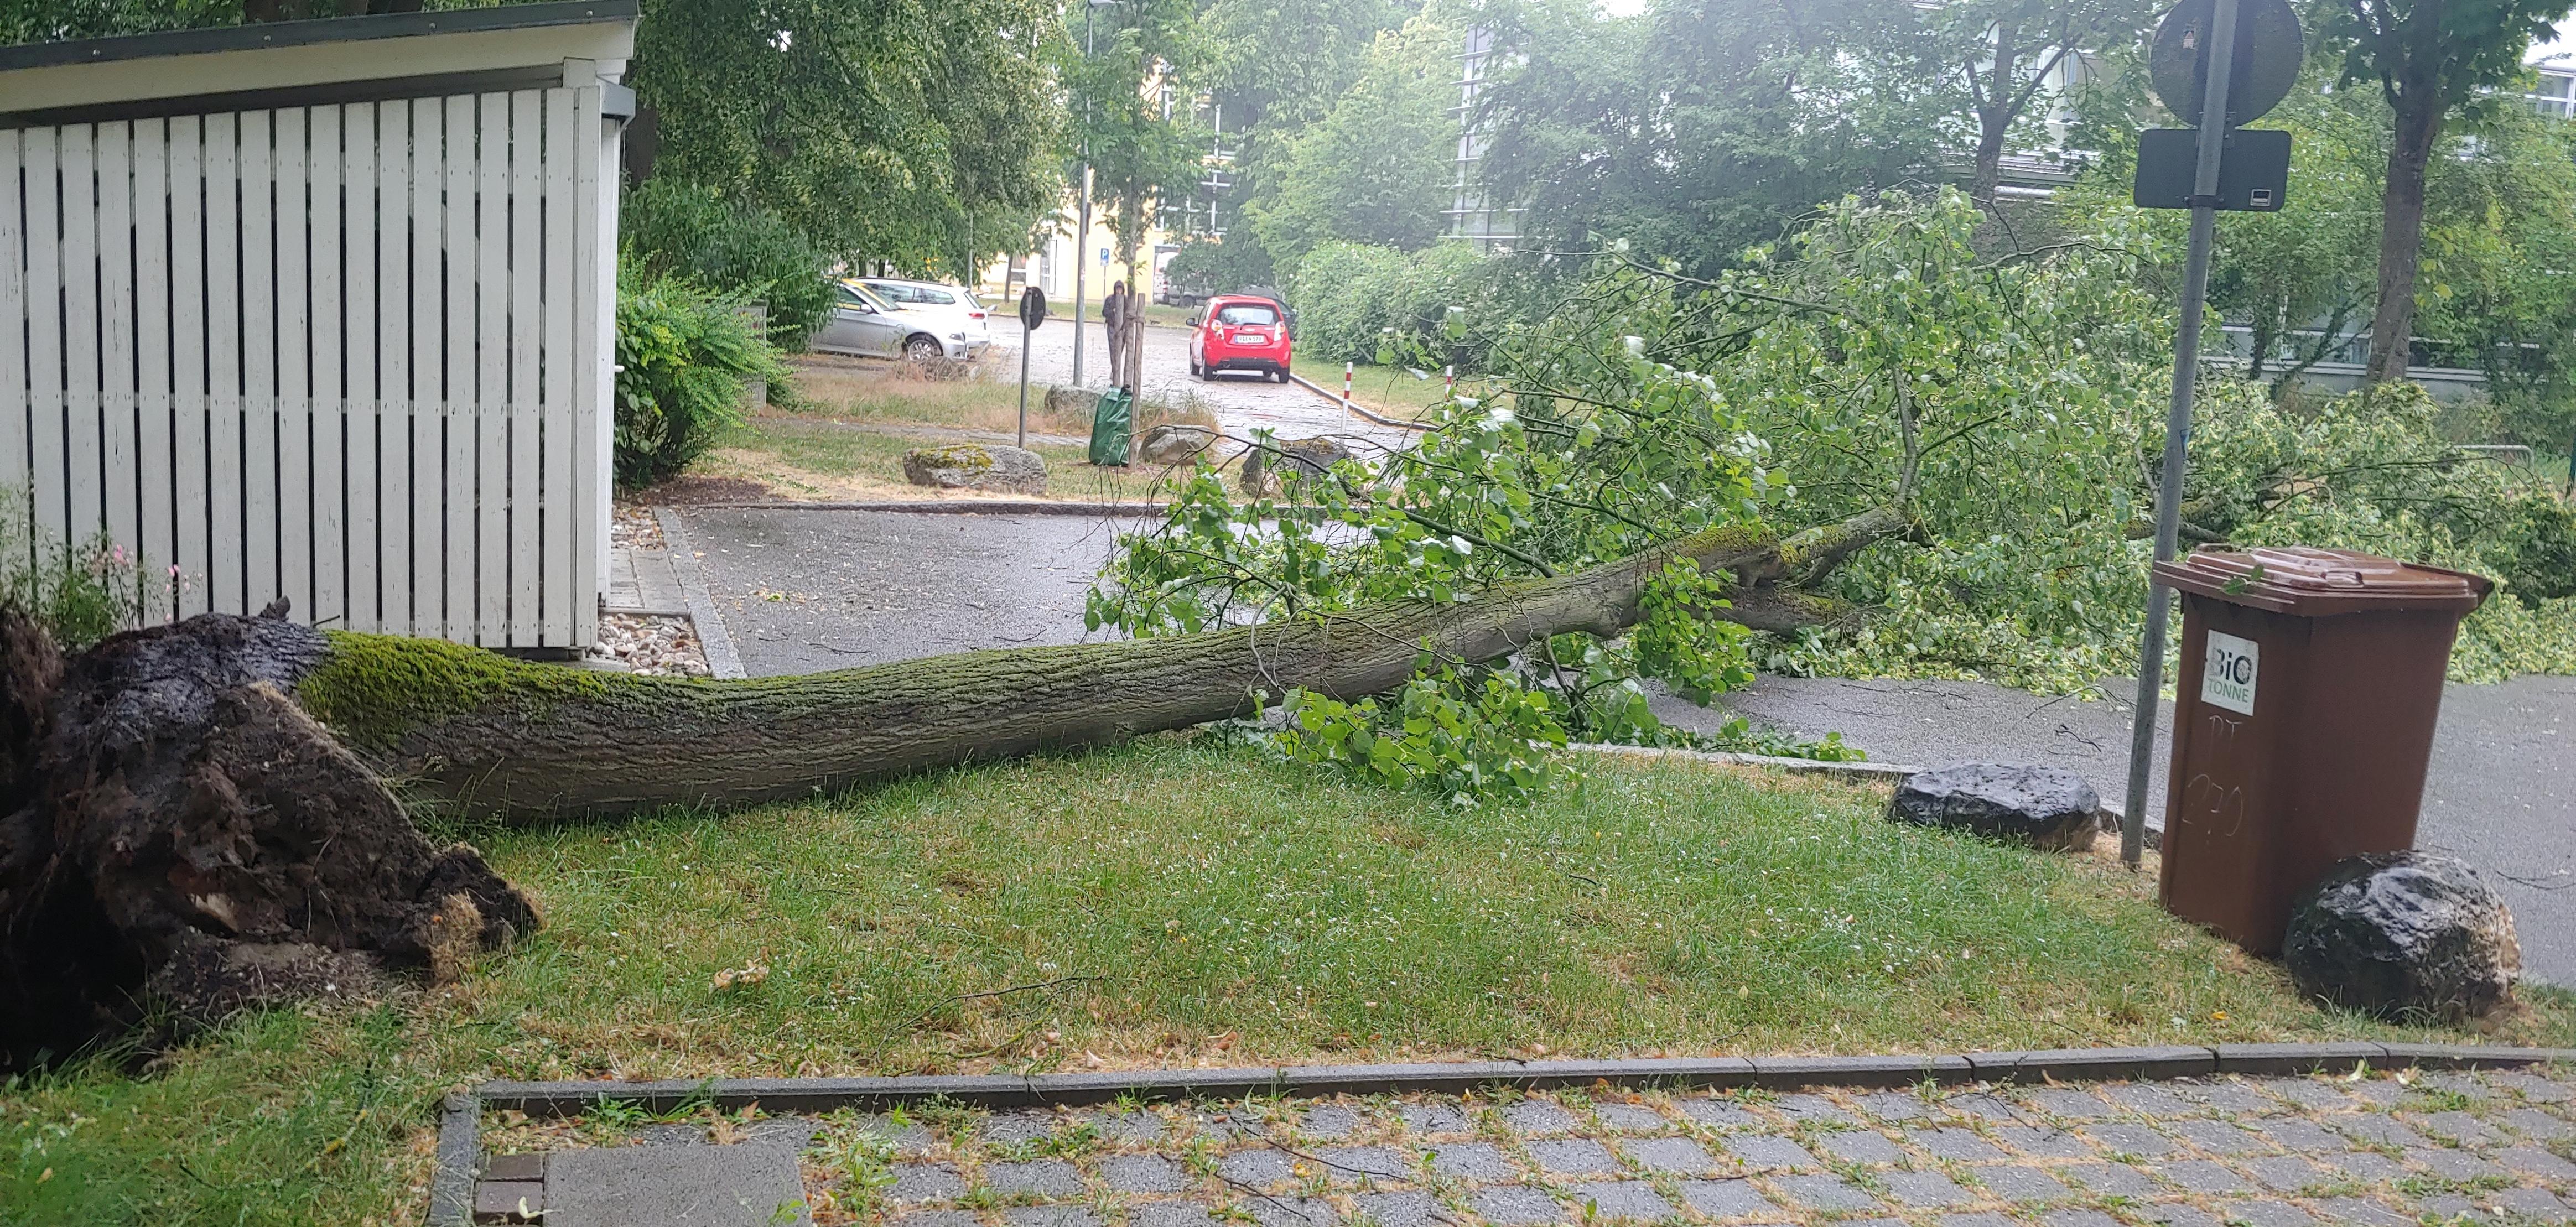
(2303,721)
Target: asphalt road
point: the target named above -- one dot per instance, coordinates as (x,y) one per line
(1242,403)
(806,591)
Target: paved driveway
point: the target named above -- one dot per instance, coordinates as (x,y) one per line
(1242,403)
(805,591)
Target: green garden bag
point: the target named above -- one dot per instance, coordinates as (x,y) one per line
(1111,420)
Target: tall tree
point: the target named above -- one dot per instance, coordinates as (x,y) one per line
(2007,55)
(2430,58)
(920,134)
(1276,68)
(1132,80)
(2301,279)
(1701,126)
(1378,168)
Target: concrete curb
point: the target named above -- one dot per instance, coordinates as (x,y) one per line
(1353,406)
(558,1099)
(1806,766)
(713,637)
(460,1162)
(948,507)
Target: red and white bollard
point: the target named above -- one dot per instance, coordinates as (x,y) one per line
(1450,387)
(1346,383)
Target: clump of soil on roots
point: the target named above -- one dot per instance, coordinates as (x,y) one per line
(182,841)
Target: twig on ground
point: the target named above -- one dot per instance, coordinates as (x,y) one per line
(1058,982)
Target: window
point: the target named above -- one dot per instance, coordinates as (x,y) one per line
(923,293)
(1246,313)
(2555,95)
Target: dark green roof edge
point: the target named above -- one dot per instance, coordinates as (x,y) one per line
(308,33)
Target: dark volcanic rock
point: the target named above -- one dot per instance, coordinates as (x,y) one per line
(2044,807)
(2401,933)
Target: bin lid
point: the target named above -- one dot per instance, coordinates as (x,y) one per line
(2313,583)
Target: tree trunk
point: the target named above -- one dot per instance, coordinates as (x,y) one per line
(2401,232)
(492,737)
(1994,118)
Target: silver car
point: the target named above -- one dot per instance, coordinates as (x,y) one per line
(864,323)
(956,305)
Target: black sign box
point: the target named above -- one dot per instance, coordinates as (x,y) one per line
(2253,169)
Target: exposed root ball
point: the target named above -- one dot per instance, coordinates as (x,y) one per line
(186,837)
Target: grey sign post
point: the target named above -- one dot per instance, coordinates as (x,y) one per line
(2196,59)
(1032,314)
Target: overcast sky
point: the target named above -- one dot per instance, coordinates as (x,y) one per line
(2559,51)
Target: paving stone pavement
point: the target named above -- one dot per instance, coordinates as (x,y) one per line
(2498,1147)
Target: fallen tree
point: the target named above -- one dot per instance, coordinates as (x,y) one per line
(203,816)
(486,736)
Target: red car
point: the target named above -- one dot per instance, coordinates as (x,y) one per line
(1237,332)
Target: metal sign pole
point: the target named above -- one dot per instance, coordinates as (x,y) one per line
(2195,296)
(1032,314)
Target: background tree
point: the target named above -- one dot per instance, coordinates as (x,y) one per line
(2301,279)
(1130,83)
(1378,168)
(2006,56)
(1701,126)
(1275,68)
(920,135)
(2431,58)
(2499,273)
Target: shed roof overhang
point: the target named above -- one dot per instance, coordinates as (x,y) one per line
(337,59)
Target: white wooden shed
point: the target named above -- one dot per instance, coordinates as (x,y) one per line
(324,310)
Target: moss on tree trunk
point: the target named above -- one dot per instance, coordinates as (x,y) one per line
(489,736)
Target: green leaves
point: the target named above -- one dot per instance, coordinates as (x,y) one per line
(920,134)
(1470,736)
(683,357)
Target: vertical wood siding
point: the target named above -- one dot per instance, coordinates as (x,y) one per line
(348,355)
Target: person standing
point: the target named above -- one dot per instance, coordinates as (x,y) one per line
(1114,311)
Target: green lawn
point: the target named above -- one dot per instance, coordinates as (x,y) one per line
(1163,904)
(807,458)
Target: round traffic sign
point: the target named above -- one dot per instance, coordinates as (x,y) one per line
(1032,308)
(2263,67)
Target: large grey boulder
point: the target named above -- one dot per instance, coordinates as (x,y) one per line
(2403,935)
(2044,807)
(1171,443)
(1293,458)
(977,466)
(1072,402)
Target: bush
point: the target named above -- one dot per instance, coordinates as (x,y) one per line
(684,356)
(677,230)
(1206,266)
(1444,305)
